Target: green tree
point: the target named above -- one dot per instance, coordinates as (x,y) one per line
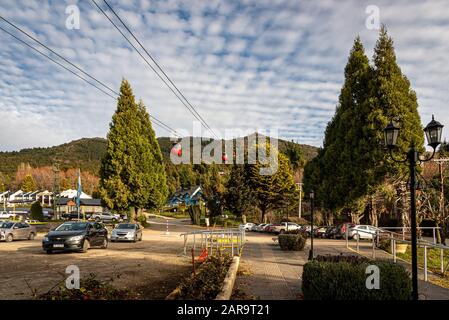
(28,184)
(353,162)
(272,191)
(36,211)
(132,174)
(213,191)
(239,197)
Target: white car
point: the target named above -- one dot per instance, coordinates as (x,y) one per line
(284,226)
(260,227)
(106,217)
(247,226)
(6,215)
(361,231)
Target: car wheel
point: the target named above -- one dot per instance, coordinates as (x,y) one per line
(140,239)
(31,236)
(105,243)
(97,219)
(9,238)
(282,231)
(356,237)
(135,238)
(86,246)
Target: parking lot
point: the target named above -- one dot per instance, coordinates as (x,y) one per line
(152,267)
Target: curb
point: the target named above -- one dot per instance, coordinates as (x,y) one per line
(228,283)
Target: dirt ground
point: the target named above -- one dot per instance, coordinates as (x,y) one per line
(152,267)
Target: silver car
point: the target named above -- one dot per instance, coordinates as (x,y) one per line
(127,232)
(10,230)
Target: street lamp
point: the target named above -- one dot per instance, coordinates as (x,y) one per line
(311,196)
(433,134)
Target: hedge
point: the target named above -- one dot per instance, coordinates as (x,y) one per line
(292,242)
(346,280)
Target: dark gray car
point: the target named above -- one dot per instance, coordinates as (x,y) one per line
(10,230)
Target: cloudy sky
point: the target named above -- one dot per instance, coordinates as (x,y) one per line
(255,64)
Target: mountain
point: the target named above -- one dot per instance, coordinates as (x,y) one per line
(86,154)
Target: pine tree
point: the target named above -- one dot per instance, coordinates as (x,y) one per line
(36,211)
(132,173)
(272,191)
(239,197)
(28,184)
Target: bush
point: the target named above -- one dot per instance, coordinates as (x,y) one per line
(207,283)
(346,280)
(292,242)
(142,220)
(36,211)
(385,245)
(90,289)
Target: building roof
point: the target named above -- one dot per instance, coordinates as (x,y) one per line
(83,202)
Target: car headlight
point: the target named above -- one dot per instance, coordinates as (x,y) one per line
(45,239)
(76,238)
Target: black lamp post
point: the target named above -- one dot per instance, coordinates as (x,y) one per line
(433,134)
(312,196)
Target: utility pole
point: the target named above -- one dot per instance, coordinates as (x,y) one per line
(56,190)
(300,198)
(441,202)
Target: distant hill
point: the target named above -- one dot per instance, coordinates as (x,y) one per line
(86,154)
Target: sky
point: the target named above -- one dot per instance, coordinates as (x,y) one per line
(244,65)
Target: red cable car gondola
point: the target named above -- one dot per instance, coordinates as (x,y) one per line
(176,150)
(224,157)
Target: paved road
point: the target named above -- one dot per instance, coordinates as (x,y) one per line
(274,273)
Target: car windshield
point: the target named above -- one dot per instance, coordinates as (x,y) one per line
(125,226)
(72,226)
(6,225)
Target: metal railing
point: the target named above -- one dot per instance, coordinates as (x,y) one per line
(223,240)
(395,239)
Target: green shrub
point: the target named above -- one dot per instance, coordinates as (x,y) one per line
(346,280)
(142,219)
(385,245)
(292,242)
(36,211)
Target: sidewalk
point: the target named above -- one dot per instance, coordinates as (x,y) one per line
(275,274)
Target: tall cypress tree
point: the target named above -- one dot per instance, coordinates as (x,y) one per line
(132,173)
(353,162)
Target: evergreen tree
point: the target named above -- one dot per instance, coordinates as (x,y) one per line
(239,197)
(271,191)
(132,173)
(353,162)
(28,184)
(213,191)
(36,211)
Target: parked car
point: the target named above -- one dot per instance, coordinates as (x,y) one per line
(308,228)
(10,230)
(260,227)
(247,226)
(76,236)
(341,230)
(360,231)
(74,215)
(6,215)
(267,227)
(320,232)
(283,227)
(106,217)
(127,232)
(331,232)
(254,227)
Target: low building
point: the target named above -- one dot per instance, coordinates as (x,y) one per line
(186,196)
(87,205)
